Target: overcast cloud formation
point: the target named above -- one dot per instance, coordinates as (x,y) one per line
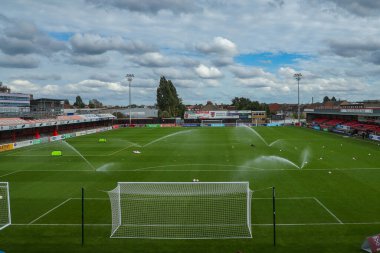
(211,49)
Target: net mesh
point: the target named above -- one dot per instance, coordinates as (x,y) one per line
(206,123)
(181,210)
(5,218)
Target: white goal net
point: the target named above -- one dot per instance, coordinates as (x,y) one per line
(241,123)
(198,210)
(5,209)
(207,123)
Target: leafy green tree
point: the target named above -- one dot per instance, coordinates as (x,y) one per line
(79,102)
(165,114)
(326,99)
(168,100)
(118,115)
(4,88)
(333,99)
(94,103)
(246,104)
(241,103)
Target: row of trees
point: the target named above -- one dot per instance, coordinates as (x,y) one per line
(93,103)
(246,104)
(170,104)
(327,99)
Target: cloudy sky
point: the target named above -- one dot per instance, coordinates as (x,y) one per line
(211,49)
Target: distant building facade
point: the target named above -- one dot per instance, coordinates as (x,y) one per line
(14,104)
(47,107)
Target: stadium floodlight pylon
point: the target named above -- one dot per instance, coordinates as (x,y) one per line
(181,210)
(209,122)
(5,208)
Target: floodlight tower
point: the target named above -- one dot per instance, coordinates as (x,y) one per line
(130,78)
(298,77)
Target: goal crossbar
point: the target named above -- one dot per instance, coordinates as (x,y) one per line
(181,210)
(212,122)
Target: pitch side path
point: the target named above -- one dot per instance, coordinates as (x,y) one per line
(328,190)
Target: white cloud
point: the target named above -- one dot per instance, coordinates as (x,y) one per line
(23,86)
(196,44)
(258,82)
(249,72)
(219,45)
(208,72)
(153,59)
(96,86)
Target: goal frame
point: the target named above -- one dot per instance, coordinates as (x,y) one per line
(210,122)
(117,190)
(6,185)
(241,123)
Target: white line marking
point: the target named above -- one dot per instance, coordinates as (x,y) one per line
(149,169)
(256,224)
(167,136)
(113,153)
(64,202)
(91,198)
(199,164)
(10,173)
(48,224)
(331,213)
(290,198)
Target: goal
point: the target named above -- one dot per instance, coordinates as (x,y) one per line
(178,210)
(242,123)
(206,123)
(5,210)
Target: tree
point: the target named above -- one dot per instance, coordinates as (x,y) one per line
(118,115)
(79,102)
(326,99)
(241,103)
(333,99)
(164,114)
(246,104)
(167,98)
(94,103)
(4,88)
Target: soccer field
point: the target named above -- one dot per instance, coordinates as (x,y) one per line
(328,187)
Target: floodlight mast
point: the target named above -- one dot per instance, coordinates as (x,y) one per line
(298,77)
(130,78)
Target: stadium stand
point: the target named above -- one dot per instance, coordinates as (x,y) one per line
(18,129)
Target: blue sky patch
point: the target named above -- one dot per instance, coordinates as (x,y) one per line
(62,36)
(270,61)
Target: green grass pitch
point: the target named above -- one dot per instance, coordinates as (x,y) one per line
(328,187)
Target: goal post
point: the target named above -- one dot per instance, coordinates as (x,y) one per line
(5,209)
(181,210)
(207,123)
(242,123)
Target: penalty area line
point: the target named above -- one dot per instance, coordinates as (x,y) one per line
(117,151)
(328,210)
(51,210)
(10,173)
